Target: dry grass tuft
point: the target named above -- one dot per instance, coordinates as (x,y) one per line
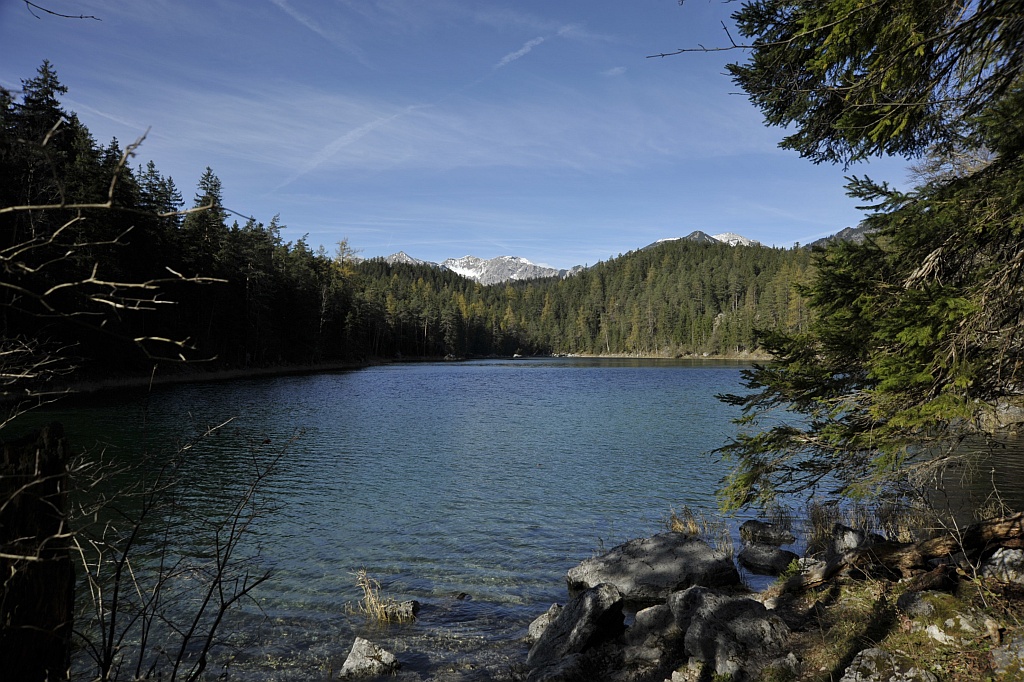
(779,516)
(712,530)
(906,522)
(375,607)
(895,521)
(821,518)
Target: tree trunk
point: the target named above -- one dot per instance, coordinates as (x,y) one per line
(36,573)
(912,559)
(973,541)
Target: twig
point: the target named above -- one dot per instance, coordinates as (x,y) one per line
(31,6)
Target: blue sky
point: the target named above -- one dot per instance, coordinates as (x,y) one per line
(441,127)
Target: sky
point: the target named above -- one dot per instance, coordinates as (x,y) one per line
(442,128)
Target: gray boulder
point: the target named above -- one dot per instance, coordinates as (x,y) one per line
(574,668)
(764,533)
(652,627)
(647,652)
(734,636)
(915,605)
(586,621)
(1008,659)
(878,665)
(647,570)
(1005,565)
(730,636)
(541,623)
(368,660)
(845,539)
(766,559)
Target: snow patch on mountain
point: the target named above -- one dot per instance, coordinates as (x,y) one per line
(730,238)
(403,257)
(506,268)
(733,239)
(500,269)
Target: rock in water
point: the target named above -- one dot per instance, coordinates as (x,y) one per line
(762,532)
(541,623)
(766,559)
(647,570)
(367,660)
(401,612)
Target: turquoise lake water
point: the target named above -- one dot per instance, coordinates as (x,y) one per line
(471,487)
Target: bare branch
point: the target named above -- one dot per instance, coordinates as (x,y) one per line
(33,6)
(700,48)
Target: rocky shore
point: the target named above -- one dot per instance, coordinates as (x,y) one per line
(861,609)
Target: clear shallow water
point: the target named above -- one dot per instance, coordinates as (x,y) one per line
(471,487)
(486,479)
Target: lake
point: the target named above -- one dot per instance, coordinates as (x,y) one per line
(471,487)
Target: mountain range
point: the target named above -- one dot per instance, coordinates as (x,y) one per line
(505,268)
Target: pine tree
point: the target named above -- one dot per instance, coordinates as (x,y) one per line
(917,331)
(203,229)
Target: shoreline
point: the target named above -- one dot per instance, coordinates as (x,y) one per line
(169,375)
(192,374)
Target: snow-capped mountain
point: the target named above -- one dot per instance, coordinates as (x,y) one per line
(487,271)
(730,238)
(505,268)
(733,239)
(403,257)
(500,269)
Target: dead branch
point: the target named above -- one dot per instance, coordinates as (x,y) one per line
(733,45)
(33,6)
(913,559)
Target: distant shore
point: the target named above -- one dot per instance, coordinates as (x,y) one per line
(194,373)
(165,375)
(749,356)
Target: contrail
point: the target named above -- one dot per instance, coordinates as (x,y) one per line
(523,51)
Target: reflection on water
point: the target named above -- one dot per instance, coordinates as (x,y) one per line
(988,476)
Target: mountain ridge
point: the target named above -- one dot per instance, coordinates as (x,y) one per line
(512,268)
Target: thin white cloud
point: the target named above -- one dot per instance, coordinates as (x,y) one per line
(131,127)
(345,140)
(572,31)
(521,52)
(285,7)
(615,71)
(290,132)
(337,41)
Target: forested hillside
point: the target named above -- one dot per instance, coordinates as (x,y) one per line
(106,263)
